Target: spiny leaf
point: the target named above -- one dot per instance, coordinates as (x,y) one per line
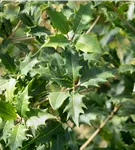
(56,99)
(25,18)
(28,63)
(127,68)
(17,137)
(74,108)
(22,102)
(56,41)
(59,21)
(82,18)
(7,111)
(72,65)
(88,43)
(95,76)
(3,84)
(35,121)
(7,130)
(8,62)
(10,88)
(8,25)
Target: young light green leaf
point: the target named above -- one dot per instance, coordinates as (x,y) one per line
(7,111)
(10,88)
(17,137)
(7,130)
(56,99)
(74,108)
(59,21)
(88,43)
(82,18)
(28,63)
(36,121)
(56,41)
(22,102)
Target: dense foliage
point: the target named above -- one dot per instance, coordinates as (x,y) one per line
(65,67)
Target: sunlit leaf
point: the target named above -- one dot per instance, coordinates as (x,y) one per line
(88,43)
(56,99)
(74,108)
(22,102)
(7,111)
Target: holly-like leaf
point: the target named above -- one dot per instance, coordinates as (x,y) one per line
(3,84)
(88,43)
(56,41)
(95,76)
(82,18)
(38,31)
(127,68)
(7,128)
(8,25)
(28,63)
(17,136)
(25,18)
(8,62)
(22,102)
(36,121)
(59,21)
(7,111)
(74,108)
(72,65)
(10,88)
(56,99)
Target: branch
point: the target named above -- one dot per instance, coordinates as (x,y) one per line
(100,127)
(92,26)
(15,29)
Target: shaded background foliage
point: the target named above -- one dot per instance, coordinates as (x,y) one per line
(64,67)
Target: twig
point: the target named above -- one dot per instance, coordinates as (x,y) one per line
(15,29)
(92,26)
(41,102)
(100,127)
(22,38)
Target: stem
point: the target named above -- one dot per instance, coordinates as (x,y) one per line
(100,127)
(41,102)
(15,29)
(92,26)
(22,38)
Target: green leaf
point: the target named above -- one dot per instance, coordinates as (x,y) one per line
(8,62)
(56,99)
(36,121)
(10,88)
(8,25)
(17,137)
(3,84)
(72,65)
(22,47)
(88,43)
(22,102)
(59,21)
(129,127)
(38,31)
(95,76)
(7,111)
(7,130)
(28,63)
(74,108)
(126,68)
(25,18)
(82,18)
(56,41)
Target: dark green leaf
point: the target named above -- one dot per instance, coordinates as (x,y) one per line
(59,21)
(8,62)
(26,19)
